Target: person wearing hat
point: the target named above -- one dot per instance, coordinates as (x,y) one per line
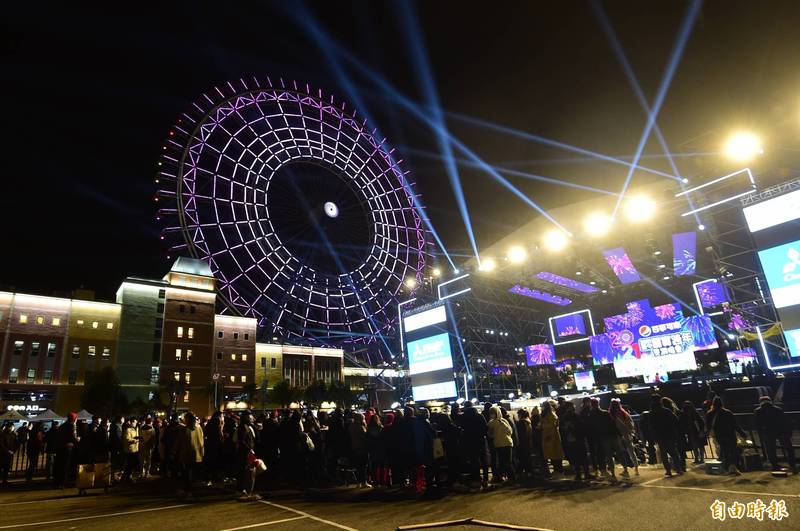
(8,445)
(65,442)
(772,426)
(189,452)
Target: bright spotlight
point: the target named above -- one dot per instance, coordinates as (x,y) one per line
(743,146)
(701,227)
(685,180)
(487,264)
(411,282)
(517,254)
(597,224)
(555,240)
(639,208)
(437,272)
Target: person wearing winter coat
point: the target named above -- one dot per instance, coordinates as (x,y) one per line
(376,449)
(772,426)
(245,452)
(8,445)
(664,424)
(626,430)
(34,449)
(500,433)
(573,439)
(604,433)
(525,441)
(146,444)
(692,429)
(357,433)
(551,437)
(473,443)
(189,452)
(723,425)
(65,443)
(130,448)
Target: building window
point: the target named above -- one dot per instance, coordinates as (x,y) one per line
(35,348)
(48,377)
(72,378)
(56,321)
(76,352)
(177,376)
(178,354)
(188,354)
(154,375)
(180,331)
(191,309)
(187,377)
(156,353)
(95,324)
(13,374)
(236,335)
(186,396)
(246,336)
(92,350)
(40,319)
(79,322)
(244,379)
(264,362)
(219,355)
(87,376)
(157,333)
(190,333)
(51,350)
(162,293)
(109,326)
(273,363)
(183,308)
(106,352)
(233,357)
(18,345)
(244,357)
(233,379)
(31,375)
(220,334)
(23,319)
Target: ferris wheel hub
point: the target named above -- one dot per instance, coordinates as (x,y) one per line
(331,210)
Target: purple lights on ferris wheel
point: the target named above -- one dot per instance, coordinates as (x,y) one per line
(222,180)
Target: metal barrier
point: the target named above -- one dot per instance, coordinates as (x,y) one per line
(20,461)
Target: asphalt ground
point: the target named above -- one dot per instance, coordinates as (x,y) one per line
(649,501)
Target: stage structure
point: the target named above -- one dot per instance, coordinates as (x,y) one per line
(305,216)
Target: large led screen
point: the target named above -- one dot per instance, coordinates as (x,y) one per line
(427,318)
(781,266)
(684,253)
(570,325)
(711,293)
(620,263)
(541,354)
(773,212)
(429,354)
(793,341)
(434,391)
(584,381)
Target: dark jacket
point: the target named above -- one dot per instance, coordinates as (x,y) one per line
(770,419)
(601,425)
(664,423)
(724,424)
(475,428)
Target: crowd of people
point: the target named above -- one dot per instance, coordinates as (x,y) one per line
(410,447)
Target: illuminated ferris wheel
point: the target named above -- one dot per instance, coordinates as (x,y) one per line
(305,217)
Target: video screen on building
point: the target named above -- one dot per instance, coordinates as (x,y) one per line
(773,212)
(584,381)
(424,319)
(434,391)
(541,354)
(781,266)
(711,293)
(429,354)
(793,342)
(738,359)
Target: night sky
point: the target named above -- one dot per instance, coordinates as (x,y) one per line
(90,96)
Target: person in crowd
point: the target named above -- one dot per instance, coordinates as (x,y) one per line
(681,442)
(604,432)
(473,442)
(450,435)
(213,448)
(189,453)
(146,443)
(245,454)
(573,438)
(357,433)
(692,429)
(50,447)
(315,458)
(500,434)
(723,425)
(376,451)
(592,442)
(648,437)
(487,414)
(116,435)
(168,446)
(23,433)
(65,443)
(8,445)
(34,450)
(389,435)
(130,449)
(525,442)
(626,430)
(425,473)
(101,438)
(267,445)
(407,447)
(664,424)
(773,426)
(552,450)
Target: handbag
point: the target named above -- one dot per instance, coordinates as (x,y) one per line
(438,448)
(309,443)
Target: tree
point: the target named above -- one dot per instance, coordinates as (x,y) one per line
(340,393)
(284,394)
(316,393)
(249,390)
(174,388)
(102,394)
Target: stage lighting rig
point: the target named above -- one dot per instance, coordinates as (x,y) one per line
(555,240)
(597,224)
(743,146)
(639,208)
(517,254)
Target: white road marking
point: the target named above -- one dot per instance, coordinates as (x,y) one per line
(334,524)
(251,526)
(79,518)
(39,501)
(650,481)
